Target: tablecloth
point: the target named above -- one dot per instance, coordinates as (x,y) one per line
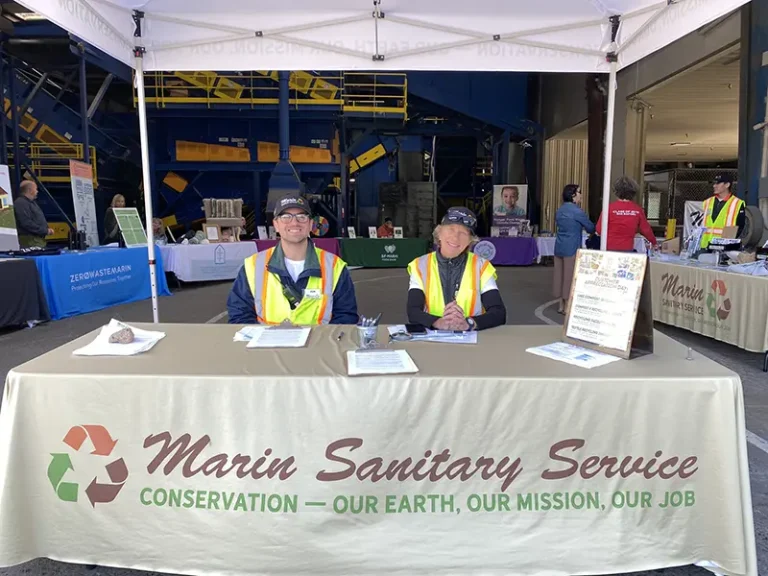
(546,245)
(205,457)
(328,244)
(81,282)
(506,251)
(22,298)
(206,262)
(726,306)
(382,252)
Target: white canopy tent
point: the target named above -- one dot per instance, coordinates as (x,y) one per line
(483,35)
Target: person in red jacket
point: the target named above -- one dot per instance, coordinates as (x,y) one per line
(625,218)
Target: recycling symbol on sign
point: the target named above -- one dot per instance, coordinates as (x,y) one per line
(720,312)
(103,445)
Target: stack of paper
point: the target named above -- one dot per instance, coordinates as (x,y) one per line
(575,355)
(278,337)
(144,340)
(361,362)
(445,336)
(248,333)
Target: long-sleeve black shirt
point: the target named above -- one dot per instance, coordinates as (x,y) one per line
(30,220)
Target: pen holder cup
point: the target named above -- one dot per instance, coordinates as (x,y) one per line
(366,336)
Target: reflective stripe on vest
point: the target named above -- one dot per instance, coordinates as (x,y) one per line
(309,311)
(468,296)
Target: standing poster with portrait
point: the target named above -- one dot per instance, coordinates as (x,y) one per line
(9,239)
(510,206)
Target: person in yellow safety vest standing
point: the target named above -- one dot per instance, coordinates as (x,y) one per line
(453,288)
(294,282)
(722,210)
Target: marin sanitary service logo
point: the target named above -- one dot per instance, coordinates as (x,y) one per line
(61,468)
(722,311)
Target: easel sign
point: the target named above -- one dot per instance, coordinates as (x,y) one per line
(398,232)
(372,232)
(262,231)
(351,232)
(609,309)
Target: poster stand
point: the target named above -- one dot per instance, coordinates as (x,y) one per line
(610,306)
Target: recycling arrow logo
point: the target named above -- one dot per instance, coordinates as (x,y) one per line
(103,445)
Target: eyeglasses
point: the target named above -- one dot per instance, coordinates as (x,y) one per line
(300,218)
(465,219)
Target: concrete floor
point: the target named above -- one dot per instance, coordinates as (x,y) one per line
(526,293)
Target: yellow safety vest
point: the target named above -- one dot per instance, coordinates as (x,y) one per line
(726,218)
(272,307)
(477,272)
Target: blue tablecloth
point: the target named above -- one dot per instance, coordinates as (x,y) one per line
(81,282)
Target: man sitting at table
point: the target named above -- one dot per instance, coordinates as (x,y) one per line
(453,288)
(294,282)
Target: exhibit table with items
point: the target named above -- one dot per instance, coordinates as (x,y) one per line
(546,246)
(715,301)
(81,282)
(632,466)
(206,262)
(22,298)
(328,244)
(508,251)
(382,252)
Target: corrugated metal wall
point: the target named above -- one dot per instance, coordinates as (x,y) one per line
(565,162)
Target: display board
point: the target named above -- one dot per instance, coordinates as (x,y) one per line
(610,307)
(81,176)
(9,238)
(510,207)
(131,228)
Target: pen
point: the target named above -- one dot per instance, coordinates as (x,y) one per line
(340,336)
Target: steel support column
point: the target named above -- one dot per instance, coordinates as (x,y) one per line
(84,107)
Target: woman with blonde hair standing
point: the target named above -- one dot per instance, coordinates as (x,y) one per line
(111,229)
(571,221)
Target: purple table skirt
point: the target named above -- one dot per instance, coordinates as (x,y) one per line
(508,251)
(327,244)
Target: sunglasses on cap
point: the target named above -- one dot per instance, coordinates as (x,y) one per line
(461,218)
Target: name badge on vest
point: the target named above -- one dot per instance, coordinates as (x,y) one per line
(313,294)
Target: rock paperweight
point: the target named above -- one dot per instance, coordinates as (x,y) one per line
(124,336)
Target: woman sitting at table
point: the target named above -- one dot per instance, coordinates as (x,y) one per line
(452,288)
(571,221)
(111,229)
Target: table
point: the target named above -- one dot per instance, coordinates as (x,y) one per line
(22,298)
(546,245)
(211,509)
(327,244)
(508,251)
(81,282)
(726,306)
(382,252)
(206,262)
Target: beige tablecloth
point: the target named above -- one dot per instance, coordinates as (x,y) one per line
(729,307)
(204,457)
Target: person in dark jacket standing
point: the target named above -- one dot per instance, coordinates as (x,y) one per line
(294,282)
(30,221)
(571,222)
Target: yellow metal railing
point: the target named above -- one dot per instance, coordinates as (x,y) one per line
(357,92)
(484,167)
(50,162)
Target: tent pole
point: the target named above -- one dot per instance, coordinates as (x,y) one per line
(608,153)
(138,54)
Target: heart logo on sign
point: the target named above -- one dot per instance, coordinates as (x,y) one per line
(390,248)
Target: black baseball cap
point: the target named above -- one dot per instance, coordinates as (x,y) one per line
(723,179)
(291,201)
(460,215)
